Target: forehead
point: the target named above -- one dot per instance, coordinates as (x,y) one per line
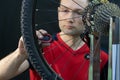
(75,3)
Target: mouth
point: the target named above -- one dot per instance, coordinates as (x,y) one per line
(69,26)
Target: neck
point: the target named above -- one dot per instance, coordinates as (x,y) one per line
(73,41)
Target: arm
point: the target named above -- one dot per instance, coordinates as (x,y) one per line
(14,64)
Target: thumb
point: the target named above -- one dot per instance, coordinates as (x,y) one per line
(21,44)
(21,47)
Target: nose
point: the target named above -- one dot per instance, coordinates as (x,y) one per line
(70,17)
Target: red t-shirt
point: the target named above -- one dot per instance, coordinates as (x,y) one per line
(70,64)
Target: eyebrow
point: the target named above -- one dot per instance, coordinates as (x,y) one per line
(63,6)
(79,9)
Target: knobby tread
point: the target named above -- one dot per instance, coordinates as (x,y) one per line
(28,32)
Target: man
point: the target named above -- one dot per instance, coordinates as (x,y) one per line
(66,54)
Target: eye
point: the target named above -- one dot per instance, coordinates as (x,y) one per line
(79,12)
(65,10)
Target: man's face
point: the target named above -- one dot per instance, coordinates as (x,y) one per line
(70,16)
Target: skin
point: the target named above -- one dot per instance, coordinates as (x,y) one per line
(71,24)
(71,28)
(15,63)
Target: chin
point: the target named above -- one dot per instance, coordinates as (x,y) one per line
(71,33)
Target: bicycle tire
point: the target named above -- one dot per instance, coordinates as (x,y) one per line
(30,40)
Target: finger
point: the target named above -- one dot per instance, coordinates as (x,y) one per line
(45,45)
(43,31)
(40,33)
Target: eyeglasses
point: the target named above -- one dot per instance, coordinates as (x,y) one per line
(77,12)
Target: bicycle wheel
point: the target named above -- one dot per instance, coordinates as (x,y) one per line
(30,40)
(28,23)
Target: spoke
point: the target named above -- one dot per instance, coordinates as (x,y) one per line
(62,44)
(78,4)
(79,70)
(65,64)
(60,4)
(54,21)
(47,10)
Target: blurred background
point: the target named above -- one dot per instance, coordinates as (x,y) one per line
(10,31)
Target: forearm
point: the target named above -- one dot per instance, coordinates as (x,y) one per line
(10,65)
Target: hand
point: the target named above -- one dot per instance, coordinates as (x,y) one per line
(43,38)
